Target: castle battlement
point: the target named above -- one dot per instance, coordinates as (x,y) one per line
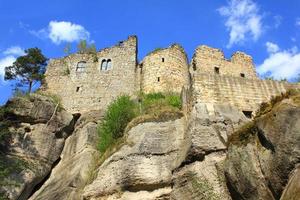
(87,82)
(212,61)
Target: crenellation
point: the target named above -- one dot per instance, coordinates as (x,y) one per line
(212,60)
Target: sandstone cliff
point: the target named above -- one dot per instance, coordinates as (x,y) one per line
(201,154)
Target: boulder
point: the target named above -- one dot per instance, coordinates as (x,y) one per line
(78,160)
(35,134)
(263,154)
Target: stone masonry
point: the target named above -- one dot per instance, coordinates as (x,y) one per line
(84,87)
(86,82)
(212,61)
(165,70)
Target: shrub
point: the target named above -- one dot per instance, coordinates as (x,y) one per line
(174,100)
(119,113)
(153,107)
(153,102)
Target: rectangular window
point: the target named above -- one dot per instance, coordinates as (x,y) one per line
(217,70)
(163,59)
(158,79)
(242,75)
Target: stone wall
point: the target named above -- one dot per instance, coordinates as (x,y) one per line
(165,70)
(245,94)
(93,88)
(212,61)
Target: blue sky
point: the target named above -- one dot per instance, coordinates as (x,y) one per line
(268,30)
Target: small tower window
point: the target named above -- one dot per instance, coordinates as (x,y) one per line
(242,75)
(248,114)
(77,89)
(103,65)
(106,65)
(163,59)
(81,66)
(217,70)
(158,79)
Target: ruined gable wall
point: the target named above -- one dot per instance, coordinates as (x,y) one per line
(165,70)
(93,89)
(245,94)
(206,58)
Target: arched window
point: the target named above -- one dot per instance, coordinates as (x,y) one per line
(81,66)
(109,66)
(103,65)
(106,65)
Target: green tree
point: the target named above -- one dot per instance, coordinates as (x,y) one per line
(28,69)
(82,46)
(92,49)
(67,49)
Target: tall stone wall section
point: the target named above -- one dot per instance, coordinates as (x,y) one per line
(245,94)
(93,88)
(207,59)
(165,70)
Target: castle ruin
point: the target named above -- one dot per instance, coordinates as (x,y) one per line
(87,82)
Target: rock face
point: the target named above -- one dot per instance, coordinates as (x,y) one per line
(202,176)
(142,168)
(77,159)
(35,138)
(203,155)
(179,159)
(292,190)
(262,155)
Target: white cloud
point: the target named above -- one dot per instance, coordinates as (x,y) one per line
(11,55)
(272,47)
(14,50)
(242,20)
(4,62)
(62,31)
(277,21)
(281,64)
(298,21)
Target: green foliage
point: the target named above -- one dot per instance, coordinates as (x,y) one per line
(67,49)
(8,166)
(119,113)
(174,100)
(271,78)
(29,68)
(66,71)
(152,106)
(266,107)
(243,135)
(4,125)
(83,47)
(153,102)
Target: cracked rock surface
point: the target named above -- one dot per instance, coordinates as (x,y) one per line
(258,165)
(145,163)
(36,137)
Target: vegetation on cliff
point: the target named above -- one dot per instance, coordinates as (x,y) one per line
(244,134)
(124,113)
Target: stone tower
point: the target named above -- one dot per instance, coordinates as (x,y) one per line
(165,70)
(87,82)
